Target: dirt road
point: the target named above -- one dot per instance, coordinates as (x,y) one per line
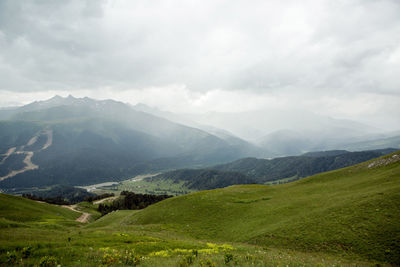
(109,199)
(84,218)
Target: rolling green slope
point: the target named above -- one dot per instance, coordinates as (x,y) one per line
(348,217)
(17,211)
(351,211)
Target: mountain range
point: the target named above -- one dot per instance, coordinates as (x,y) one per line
(292,133)
(81,141)
(91,141)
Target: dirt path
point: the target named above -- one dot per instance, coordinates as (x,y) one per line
(84,218)
(105,200)
(29,165)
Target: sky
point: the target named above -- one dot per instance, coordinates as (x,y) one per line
(334,58)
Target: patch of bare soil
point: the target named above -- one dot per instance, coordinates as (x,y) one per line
(109,199)
(84,218)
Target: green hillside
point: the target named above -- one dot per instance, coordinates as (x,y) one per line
(347,217)
(15,210)
(350,211)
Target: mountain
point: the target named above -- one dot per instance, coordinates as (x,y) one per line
(244,146)
(77,141)
(255,125)
(286,142)
(290,132)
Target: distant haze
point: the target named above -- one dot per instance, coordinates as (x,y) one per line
(295,65)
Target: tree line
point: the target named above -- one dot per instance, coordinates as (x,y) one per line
(59,200)
(131,201)
(98,197)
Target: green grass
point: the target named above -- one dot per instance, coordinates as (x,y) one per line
(353,211)
(21,210)
(348,217)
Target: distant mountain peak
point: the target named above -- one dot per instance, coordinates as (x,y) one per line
(56,97)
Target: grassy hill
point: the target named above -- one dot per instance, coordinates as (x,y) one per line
(347,217)
(16,210)
(348,211)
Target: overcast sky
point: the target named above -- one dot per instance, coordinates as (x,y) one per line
(337,58)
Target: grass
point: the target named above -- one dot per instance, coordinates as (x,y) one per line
(353,211)
(342,218)
(21,210)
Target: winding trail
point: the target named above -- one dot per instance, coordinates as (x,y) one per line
(29,165)
(108,199)
(84,218)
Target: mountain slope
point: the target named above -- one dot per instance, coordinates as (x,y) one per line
(263,170)
(203,179)
(349,211)
(243,146)
(95,141)
(17,211)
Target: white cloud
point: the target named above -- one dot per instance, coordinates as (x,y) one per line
(338,58)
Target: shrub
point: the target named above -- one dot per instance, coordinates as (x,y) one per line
(186,261)
(11,257)
(26,252)
(228,258)
(130,259)
(48,261)
(207,263)
(108,259)
(127,258)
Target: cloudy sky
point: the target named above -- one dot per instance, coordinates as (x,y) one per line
(336,58)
